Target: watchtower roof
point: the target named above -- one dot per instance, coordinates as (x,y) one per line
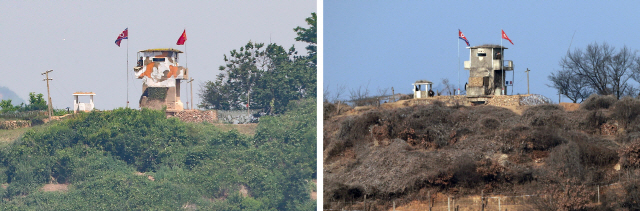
(487,46)
(423,82)
(162,50)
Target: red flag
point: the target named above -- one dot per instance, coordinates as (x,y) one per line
(504,36)
(183,38)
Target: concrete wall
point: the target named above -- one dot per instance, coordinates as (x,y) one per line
(14,124)
(485,70)
(237,116)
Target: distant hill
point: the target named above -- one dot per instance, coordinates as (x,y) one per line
(6,93)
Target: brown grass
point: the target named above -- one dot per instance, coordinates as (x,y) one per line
(570,106)
(394,152)
(55,187)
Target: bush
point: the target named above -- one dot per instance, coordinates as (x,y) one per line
(546,115)
(595,102)
(490,123)
(564,163)
(630,155)
(626,111)
(110,159)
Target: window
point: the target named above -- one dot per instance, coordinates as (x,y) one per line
(482,54)
(158,59)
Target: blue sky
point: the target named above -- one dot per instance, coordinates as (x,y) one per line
(393,43)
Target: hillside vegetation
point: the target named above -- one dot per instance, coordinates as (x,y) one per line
(139,160)
(400,154)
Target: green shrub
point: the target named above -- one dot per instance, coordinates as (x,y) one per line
(109,158)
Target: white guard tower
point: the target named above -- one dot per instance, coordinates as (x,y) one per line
(422,89)
(86,107)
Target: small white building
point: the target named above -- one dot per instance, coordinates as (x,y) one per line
(422,88)
(78,106)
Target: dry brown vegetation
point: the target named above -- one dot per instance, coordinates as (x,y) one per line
(400,154)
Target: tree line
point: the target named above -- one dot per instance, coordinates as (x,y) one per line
(599,69)
(36,103)
(265,77)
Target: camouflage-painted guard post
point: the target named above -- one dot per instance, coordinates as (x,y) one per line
(161,75)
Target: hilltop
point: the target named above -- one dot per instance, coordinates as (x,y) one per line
(128,159)
(411,153)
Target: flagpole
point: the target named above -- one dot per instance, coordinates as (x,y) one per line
(501,61)
(186,64)
(458,65)
(127,67)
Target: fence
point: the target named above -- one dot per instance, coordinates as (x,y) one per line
(472,203)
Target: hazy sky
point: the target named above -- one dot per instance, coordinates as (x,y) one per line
(395,43)
(76,40)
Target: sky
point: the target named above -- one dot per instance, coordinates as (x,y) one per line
(384,44)
(76,39)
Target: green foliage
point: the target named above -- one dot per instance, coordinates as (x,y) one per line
(240,74)
(36,103)
(265,78)
(7,106)
(157,93)
(100,155)
(61,112)
(309,36)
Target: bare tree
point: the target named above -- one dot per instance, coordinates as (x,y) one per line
(360,93)
(340,88)
(449,89)
(603,69)
(326,93)
(382,92)
(333,96)
(570,85)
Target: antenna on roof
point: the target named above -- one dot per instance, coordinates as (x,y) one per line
(574,34)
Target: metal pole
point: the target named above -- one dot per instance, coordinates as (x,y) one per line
(482,200)
(458,66)
(598,194)
(499,204)
(449,203)
(502,63)
(127,70)
(393,94)
(365,202)
(191,84)
(49,105)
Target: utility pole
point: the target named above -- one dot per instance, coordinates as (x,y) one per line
(393,94)
(527,71)
(47,79)
(559,97)
(191,84)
